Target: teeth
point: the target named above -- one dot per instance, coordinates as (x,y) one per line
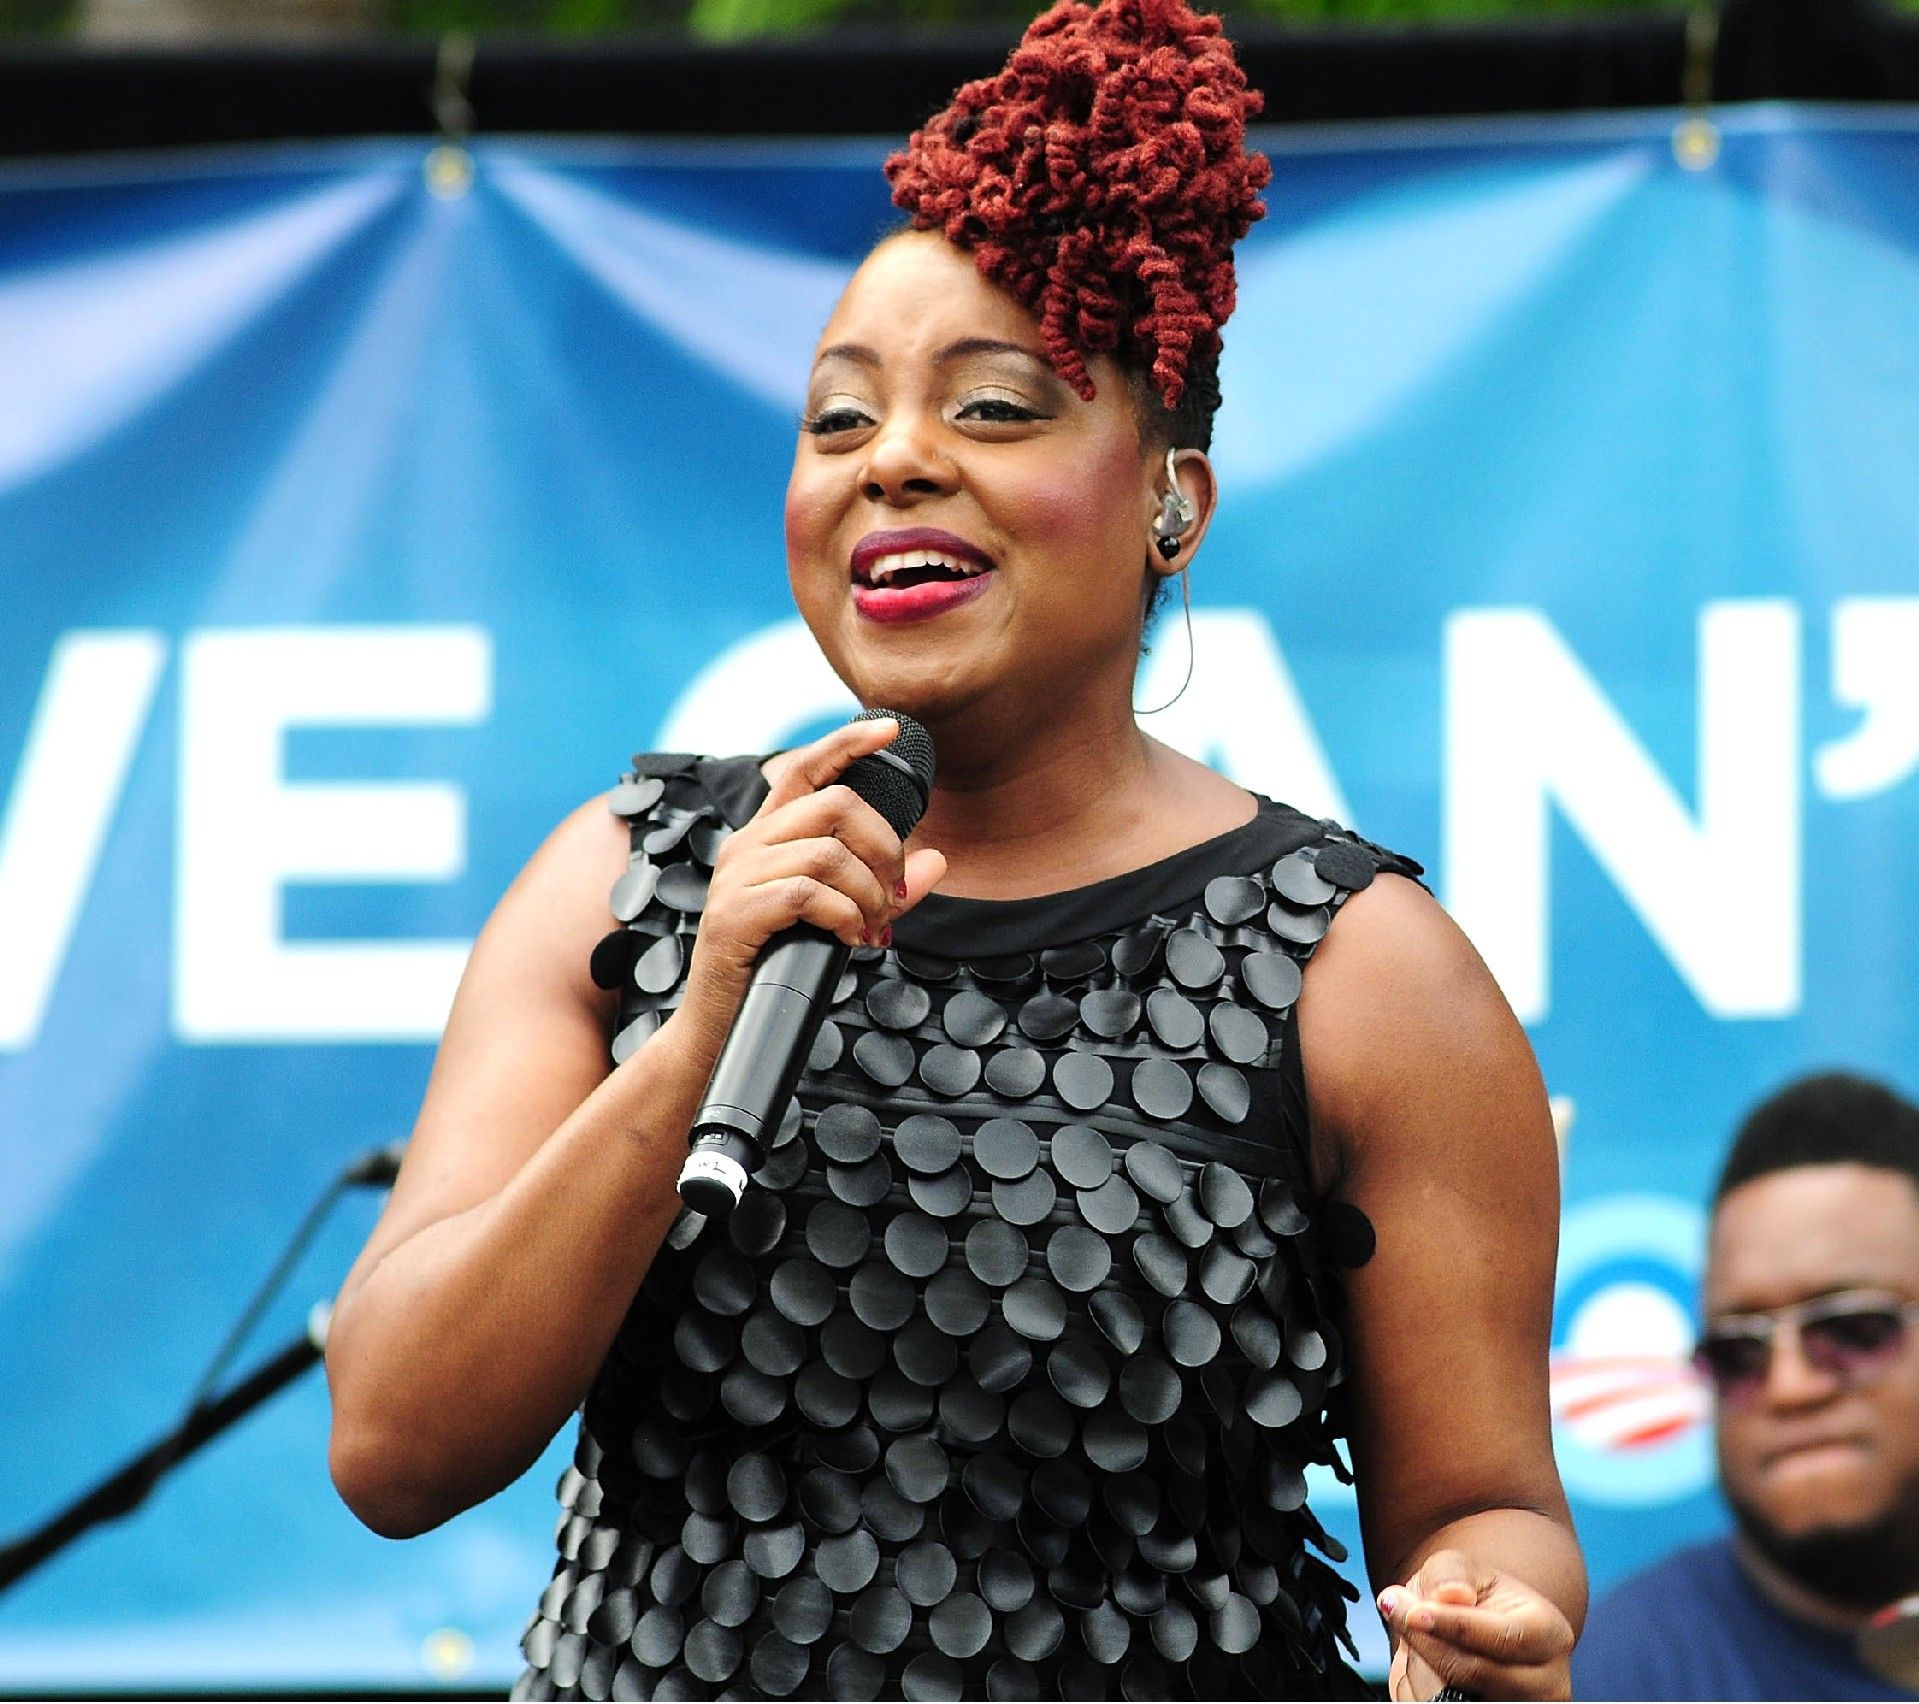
(885,567)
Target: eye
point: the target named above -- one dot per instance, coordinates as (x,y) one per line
(998,411)
(834,417)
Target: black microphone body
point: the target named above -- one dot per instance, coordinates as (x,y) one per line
(793,982)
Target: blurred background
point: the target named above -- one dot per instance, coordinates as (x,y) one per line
(395,402)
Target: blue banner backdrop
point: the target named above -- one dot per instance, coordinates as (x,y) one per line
(355,521)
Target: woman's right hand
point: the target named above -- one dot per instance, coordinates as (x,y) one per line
(814,852)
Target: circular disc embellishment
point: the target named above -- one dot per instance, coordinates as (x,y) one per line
(949,1070)
(887,1059)
(996,1253)
(1257,1334)
(1082,1157)
(1295,879)
(1015,1072)
(1005,1148)
(1239,1035)
(897,1005)
(930,1676)
(1072,963)
(1234,899)
(1192,960)
(1346,865)
(683,887)
(658,968)
(1149,1390)
(1225,1276)
(1191,1333)
(847,1133)
(1272,979)
(839,1236)
(946,1196)
(881,1298)
(778,1665)
(1083,1080)
(1161,1089)
(803,1611)
(863,1185)
(1035,1310)
(634,889)
(852,1350)
(804,1291)
(1155,1171)
(1136,953)
(1110,1012)
(731,1594)
(1040,1424)
(1119,1320)
(999,1359)
(972,1020)
(1079,1259)
(881,1619)
(711,1651)
(772,1344)
(927,1143)
(1048,1015)
(1034,1633)
(1273,1400)
(917,1245)
(848,1562)
(1080,1374)
(960,1625)
(1226,1091)
(634,794)
(926,1572)
(1174,1019)
(757,1489)
(927,1356)
(1026,1202)
(853,1673)
(1112,1208)
(1225,1196)
(1235,1626)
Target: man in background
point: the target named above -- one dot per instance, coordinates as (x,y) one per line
(1811,1343)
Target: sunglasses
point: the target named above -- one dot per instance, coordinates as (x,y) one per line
(1849,1337)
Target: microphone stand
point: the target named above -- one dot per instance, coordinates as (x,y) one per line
(127,1487)
(207,1415)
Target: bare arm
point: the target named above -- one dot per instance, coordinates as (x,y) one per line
(538,1187)
(1425,1093)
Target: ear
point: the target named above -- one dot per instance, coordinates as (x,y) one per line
(1199,487)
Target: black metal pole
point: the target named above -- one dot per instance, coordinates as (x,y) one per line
(128,1487)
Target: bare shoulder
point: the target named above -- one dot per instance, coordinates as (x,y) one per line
(525,1041)
(1400,1016)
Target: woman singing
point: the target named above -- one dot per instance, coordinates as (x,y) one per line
(1157,1136)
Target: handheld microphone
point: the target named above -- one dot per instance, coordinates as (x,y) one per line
(787,999)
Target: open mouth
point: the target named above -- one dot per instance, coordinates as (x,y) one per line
(905,568)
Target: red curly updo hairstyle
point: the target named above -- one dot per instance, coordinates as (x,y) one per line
(1102,179)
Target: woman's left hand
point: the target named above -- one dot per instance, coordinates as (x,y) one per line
(1458,1623)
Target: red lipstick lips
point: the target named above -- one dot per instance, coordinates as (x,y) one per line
(914,573)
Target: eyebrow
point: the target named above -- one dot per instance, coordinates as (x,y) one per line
(958,350)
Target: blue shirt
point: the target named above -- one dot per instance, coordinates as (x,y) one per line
(1693,1626)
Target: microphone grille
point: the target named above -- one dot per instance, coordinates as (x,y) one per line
(897,780)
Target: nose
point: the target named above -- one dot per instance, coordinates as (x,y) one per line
(905,462)
(1793,1381)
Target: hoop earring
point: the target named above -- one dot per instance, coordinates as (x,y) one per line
(1186,611)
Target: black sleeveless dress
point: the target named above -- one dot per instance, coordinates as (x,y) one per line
(1003,1381)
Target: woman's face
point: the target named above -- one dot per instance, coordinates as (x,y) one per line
(963,531)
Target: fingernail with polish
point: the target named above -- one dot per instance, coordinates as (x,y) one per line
(886,936)
(899,890)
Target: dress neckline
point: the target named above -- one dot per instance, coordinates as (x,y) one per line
(953,927)
(945,926)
